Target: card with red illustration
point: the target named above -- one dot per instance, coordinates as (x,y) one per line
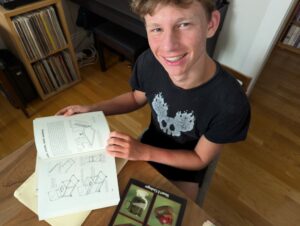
(145,205)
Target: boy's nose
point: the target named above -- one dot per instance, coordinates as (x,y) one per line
(170,41)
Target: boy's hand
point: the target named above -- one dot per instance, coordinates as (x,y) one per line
(73,109)
(123,146)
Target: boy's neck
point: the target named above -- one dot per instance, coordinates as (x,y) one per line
(202,73)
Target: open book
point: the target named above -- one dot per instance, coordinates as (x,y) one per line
(74,173)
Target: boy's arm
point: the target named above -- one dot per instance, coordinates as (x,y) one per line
(123,103)
(123,146)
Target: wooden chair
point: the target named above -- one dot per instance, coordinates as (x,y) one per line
(242,79)
(203,189)
(211,168)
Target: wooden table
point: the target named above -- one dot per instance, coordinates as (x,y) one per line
(17,167)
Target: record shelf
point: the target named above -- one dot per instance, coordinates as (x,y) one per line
(38,34)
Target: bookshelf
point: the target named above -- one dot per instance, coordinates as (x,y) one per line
(38,34)
(290,38)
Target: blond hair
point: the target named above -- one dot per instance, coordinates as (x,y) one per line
(144,7)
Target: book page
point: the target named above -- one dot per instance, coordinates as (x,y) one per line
(74,184)
(66,135)
(26,193)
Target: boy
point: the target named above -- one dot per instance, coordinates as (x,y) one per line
(196,106)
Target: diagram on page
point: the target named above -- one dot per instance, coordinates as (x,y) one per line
(77,177)
(84,133)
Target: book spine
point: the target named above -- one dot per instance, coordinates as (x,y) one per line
(289,35)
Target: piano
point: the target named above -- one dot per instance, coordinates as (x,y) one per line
(117,11)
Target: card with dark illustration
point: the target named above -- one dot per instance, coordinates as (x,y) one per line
(145,205)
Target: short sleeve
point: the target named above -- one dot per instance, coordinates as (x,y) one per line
(137,74)
(230,125)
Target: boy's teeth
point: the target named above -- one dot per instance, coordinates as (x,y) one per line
(173,59)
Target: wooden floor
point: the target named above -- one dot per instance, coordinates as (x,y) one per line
(257,182)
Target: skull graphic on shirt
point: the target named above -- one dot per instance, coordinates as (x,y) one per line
(182,122)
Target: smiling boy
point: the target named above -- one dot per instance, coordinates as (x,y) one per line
(196,106)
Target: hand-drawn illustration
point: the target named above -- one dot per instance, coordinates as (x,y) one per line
(63,166)
(84,133)
(92,184)
(84,177)
(93,159)
(65,189)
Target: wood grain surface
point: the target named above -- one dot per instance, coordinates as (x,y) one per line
(19,165)
(257,182)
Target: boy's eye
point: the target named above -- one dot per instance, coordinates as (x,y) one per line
(155,30)
(183,25)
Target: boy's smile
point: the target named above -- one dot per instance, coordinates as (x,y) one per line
(177,38)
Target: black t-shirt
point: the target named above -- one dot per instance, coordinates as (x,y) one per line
(218,109)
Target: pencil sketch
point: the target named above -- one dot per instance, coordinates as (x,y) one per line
(85,177)
(84,133)
(93,159)
(93,184)
(65,189)
(63,166)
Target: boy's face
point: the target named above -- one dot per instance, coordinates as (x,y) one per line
(177,38)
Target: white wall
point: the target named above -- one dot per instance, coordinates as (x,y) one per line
(250,30)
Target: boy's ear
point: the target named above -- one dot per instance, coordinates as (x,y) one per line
(213,24)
